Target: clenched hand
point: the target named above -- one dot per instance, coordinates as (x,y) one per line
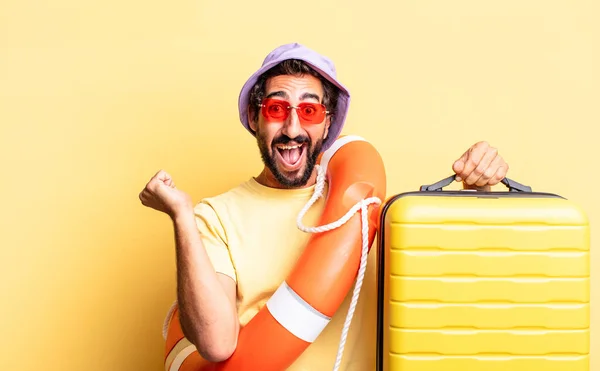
(160,194)
(480,166)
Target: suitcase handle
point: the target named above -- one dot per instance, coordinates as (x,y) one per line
(511,184)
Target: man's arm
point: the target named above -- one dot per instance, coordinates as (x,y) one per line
(207,299)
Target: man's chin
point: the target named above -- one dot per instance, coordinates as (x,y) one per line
(292,178)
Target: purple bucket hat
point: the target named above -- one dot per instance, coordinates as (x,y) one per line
(323,65)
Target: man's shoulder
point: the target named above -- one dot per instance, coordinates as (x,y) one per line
(219,203)
(241,190)
(213,213)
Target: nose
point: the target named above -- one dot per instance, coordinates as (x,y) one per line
(292,127)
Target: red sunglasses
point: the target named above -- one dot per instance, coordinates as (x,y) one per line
(279,110)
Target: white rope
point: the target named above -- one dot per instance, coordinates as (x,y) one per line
(362,205)
(165,329)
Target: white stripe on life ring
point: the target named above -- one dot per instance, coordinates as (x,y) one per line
(178,354)
(296,315)
(327,155)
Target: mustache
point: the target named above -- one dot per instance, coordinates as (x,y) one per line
(284,139)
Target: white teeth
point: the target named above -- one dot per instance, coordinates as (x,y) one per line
(289,147)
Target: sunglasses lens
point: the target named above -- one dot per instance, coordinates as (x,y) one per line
(311,113)
(275,109)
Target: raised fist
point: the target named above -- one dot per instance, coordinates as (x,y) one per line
(160,194)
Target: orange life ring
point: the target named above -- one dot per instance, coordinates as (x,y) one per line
(303,305)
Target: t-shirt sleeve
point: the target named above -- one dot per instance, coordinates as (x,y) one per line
(214,239)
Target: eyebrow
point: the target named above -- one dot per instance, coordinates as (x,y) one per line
(284,95)
(279,93)
(310,95)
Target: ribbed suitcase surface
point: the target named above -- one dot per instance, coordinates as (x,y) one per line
(483,281)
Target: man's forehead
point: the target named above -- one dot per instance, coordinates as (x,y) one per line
(295,84)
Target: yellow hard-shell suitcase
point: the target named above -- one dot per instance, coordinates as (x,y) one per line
(483,281)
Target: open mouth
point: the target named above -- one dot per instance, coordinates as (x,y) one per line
(291,155)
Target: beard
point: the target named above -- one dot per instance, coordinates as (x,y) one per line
(299,177)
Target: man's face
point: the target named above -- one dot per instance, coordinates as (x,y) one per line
(290,144)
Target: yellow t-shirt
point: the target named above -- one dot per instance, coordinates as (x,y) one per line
(250,234)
